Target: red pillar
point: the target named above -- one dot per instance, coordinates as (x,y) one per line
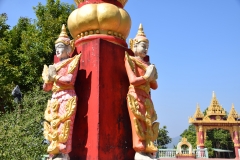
(200,137)
(236,142)
(102,128)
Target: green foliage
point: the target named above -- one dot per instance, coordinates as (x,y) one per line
(190,134)
(21,135)
(3,26)
(219,138)
(208,145)
(24,50)
(163,138)
(28,46)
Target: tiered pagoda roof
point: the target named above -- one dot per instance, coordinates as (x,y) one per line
(215,113)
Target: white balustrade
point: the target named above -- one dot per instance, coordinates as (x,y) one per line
(201,153)
(171,153)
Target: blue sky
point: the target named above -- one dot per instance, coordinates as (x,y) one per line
(195,45)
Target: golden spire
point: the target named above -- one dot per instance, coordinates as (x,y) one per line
(198,113)
(233,112)
(213,95)
(215,108)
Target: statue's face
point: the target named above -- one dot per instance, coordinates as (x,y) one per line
(61,51)
(141,49)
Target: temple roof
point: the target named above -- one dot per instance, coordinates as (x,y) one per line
(233,113)
(215,108)
(198,113)
(215,115)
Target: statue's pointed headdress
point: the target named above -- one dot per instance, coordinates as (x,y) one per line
(140,37)
(63,37)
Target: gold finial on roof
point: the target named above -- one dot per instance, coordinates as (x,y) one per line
(233,112)
(213,94)
(198,113)
(184,139)
(215,108)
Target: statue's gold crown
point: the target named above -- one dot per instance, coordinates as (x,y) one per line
(63,37)
(123,2)
(140,34)
(140,37)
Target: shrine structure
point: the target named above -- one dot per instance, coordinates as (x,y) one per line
(185,154)
(102,128)
(216,118)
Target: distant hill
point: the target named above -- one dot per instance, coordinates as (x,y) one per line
(174,142)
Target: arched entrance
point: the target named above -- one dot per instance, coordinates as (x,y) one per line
(181,147)
(215,118)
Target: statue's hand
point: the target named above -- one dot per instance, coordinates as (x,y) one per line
(45,74)
(150,73)
(156,74)
(52,72)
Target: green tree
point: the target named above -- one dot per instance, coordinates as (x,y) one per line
(24,50)
(163,138)
(21,135)
(28,46)
(3,26)
(190,134)
(219,138)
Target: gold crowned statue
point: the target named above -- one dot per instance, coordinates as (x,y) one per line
(60,112)
(142,76)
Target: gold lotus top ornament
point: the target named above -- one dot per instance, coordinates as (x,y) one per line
(99,19)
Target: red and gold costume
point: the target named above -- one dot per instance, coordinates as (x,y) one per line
(140,106)
(61,109)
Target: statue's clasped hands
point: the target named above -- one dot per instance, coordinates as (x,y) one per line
(151,73)
(52,73)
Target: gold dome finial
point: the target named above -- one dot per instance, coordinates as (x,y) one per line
(63,37)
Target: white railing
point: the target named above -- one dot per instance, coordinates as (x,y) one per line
(171,153)
(201,153)
(166,153)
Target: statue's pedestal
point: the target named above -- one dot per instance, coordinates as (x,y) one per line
(102,128)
